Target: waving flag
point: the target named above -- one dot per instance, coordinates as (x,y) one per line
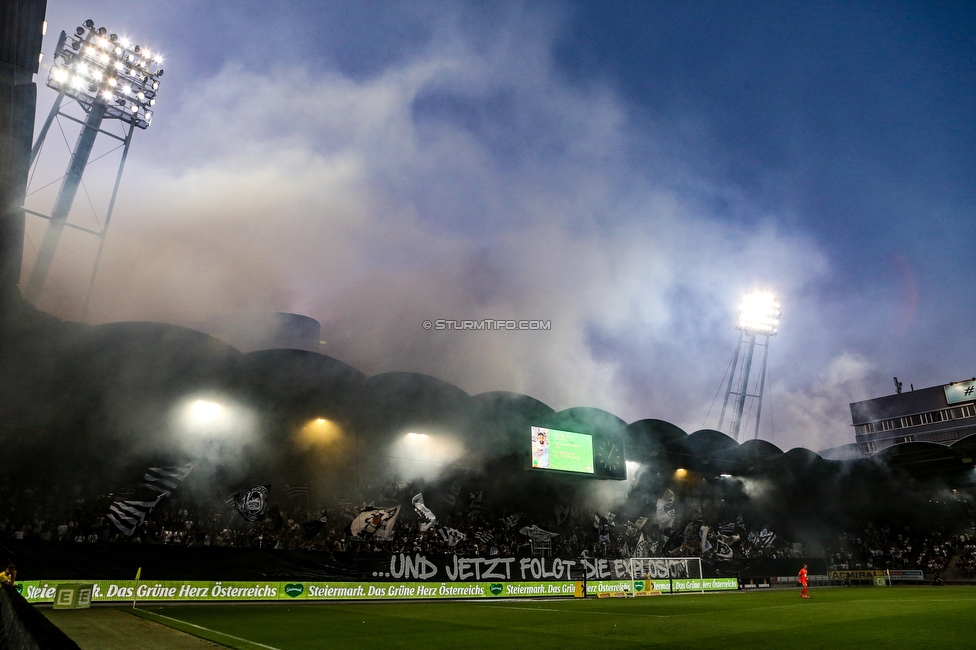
(157,484)
(451,536)
(537,534)
(424,514)
(664,516)
(251,503)
(376,523)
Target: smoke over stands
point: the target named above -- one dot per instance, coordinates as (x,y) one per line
(88,405)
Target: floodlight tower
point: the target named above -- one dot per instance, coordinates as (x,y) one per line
(758,317)
(110,79)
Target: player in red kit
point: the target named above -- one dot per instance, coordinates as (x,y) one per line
(802,578)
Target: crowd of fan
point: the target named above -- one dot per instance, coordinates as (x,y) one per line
(966,560)
(903,548)
(67,516)
(54,515)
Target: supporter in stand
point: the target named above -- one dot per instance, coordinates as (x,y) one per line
(8,576)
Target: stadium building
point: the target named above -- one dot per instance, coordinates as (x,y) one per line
(939,414)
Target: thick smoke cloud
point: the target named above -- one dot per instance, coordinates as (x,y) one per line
(465,177)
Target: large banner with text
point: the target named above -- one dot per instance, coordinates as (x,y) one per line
(147,591)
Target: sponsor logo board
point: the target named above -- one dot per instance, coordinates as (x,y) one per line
(678,584)
(105,591)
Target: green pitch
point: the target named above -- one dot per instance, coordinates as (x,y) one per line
(900,617)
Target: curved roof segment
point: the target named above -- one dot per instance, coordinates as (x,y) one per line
(155,362)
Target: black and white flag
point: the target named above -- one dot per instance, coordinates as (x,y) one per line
(251,503)
(425,517)
(562,513)
(158,483)
(642,548)
(377,523)
(314,526)
(511,521)
(452,495)
(723,547)
(537,534)
(483,536)
(664,515)
(451,536)
(703,536)
(474,504)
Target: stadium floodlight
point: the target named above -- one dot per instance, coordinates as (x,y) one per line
(204,412)
(93,69)
(759,313)
(110,79)
(758,316)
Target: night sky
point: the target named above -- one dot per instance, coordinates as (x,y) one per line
(624,170)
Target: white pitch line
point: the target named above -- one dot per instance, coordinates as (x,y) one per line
(200,627)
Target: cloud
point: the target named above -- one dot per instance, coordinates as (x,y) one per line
(821,410)
(468,180)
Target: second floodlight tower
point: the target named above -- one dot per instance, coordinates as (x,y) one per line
(757,321)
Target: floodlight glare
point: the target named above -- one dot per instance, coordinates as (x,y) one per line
(759,313)
(757,321)
(96,56)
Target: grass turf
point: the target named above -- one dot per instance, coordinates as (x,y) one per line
(900,617)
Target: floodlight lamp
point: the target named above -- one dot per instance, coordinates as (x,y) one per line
(102,31)
(89,23)
(113,37)
(79,30)
(759,313)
